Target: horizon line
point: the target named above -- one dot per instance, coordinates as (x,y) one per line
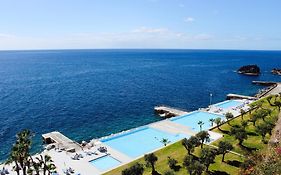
(66,49)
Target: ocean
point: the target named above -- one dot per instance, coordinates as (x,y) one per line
(88,94)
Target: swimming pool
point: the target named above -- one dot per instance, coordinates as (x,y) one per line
(105,163)
(140,141)
(191,120)
(228,104)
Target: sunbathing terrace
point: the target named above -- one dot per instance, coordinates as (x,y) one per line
(104,154)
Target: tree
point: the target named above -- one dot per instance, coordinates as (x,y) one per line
(254,118)
(136,169)
(244,123)
(243,112)
(194,167)
(169,172)
(190,144)
(218,122)
(212,121)
(47,163)
(203,136)
(20,151)
(172,163)
(150,161)
(200,123)
(208,156)
(262,129)
(239,133)
(165,141)
(262,113)
(275,103)
(224,147)
(228,116)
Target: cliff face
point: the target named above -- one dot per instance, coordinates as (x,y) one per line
(249,70)
(276,71)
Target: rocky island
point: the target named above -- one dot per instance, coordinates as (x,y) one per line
(276,71)
(249,70)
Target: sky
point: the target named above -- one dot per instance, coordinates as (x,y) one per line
(173,24)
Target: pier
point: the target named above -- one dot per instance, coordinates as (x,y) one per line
(167,112)
(58,139)
(237,96)
(271,90)
(264,83)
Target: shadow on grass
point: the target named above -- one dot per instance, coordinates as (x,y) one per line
(224,131)
(218,173)
(176,168)
(234,163)
(252,134)
(248,149)
(155,173)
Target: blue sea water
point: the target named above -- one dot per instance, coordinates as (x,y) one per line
(87,94)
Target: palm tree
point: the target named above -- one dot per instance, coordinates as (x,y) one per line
(218,122)
(208,156)
(47,164)
(228,116)
(150,161)
(200,123)
(212,121)
(224,147)
(190,144)
(243,112)
(20,151)
(203,136)
(165,141)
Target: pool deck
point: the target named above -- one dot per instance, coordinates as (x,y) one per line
(172,127)
(63,159)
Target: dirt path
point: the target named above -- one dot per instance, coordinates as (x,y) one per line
(276,134)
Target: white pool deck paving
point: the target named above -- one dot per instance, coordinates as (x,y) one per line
(83,166)
(172,127)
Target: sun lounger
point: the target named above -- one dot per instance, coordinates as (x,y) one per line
(75,157)
(102,149)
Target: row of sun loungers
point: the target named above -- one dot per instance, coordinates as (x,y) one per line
(77,156)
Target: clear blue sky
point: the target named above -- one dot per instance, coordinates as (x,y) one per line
(190,24)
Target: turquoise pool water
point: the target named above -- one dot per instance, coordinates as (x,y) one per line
(105,163)
(140,141)
(191,120)
(228,104)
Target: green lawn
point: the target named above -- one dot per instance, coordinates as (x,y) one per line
(177,151)
(253,141)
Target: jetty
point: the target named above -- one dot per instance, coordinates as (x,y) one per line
(237,96)
(60,141)
(167,112)
(272,89)
(264,83)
